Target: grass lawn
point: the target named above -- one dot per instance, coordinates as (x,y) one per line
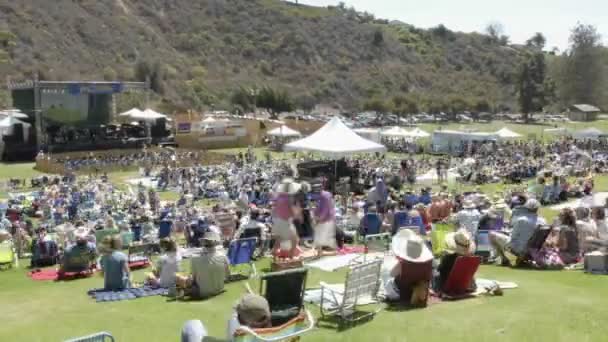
(548,306)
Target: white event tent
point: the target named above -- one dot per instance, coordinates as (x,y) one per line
(505,133)
(418,133)
(396,132)
(146,115)
(335,139)
(283,131)
(7,124)
(16,113)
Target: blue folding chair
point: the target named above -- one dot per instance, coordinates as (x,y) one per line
(417,221)
(372,224)
(164,229)
(98,337)
(401,220)
(484,248)
(240,252)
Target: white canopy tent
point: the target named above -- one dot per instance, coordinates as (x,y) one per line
(130,112)
(16,113)
(369,133)
(209,119)
(588,133)
(336,140)
(505,133)
(7,124)
(146,115)
(396,132)
(418,133)
(283,131)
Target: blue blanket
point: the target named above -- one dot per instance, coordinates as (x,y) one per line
(102,295)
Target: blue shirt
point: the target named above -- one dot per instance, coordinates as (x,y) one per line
(114,275)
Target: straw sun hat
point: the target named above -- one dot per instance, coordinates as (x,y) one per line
(409,246)
(460,242)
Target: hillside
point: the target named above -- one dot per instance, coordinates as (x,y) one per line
(199,52)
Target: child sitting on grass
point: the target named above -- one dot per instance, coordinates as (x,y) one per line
(166,268)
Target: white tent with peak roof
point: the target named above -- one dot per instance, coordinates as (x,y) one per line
(335,139)
(505,133)
(283,131)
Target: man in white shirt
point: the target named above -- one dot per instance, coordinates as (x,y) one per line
(468,218)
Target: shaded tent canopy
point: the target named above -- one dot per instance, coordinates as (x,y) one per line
(7,124)
(396,132)
(418,133)
(505,133)
(283,131)
(335,139)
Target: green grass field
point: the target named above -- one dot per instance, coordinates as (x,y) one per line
(548,305)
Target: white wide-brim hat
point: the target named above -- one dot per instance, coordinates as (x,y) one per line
(409,246)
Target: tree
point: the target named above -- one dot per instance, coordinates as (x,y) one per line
(306,102)
(495,30)
(243,99)
(537,41)
(582,71)
(274,101)
(153,72)
(377,105)
(378,38)
(531,84)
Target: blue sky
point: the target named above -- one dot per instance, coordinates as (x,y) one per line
(520,18)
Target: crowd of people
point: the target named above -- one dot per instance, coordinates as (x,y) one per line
(84,223)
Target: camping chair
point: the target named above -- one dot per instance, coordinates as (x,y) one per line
(361,281)
(372,224)
(440,230)
(414,280)
(98,337)
(8,257)
(139,254)
(484,248)
(284,291)
(241,252)
(290,331)
(461,277)
(401,219)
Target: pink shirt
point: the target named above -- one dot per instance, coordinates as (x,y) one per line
(282,207)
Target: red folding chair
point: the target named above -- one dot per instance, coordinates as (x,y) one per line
(458,284)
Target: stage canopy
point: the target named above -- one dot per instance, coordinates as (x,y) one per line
(283,131)
(396,132)
(336,140)
(505,133)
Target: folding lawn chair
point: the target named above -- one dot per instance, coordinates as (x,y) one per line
(361,280)
(8,257)
(290,331)
(284,292)
(98,337)
(240,252)
(139,254)
(461,277)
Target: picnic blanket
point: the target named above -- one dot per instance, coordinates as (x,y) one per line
(102,295)
(313,296)
(53,274)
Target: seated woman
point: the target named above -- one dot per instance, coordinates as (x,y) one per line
(458,244)
(167,266)
(411,270)
(114,265)
(569,250)
(80,256)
